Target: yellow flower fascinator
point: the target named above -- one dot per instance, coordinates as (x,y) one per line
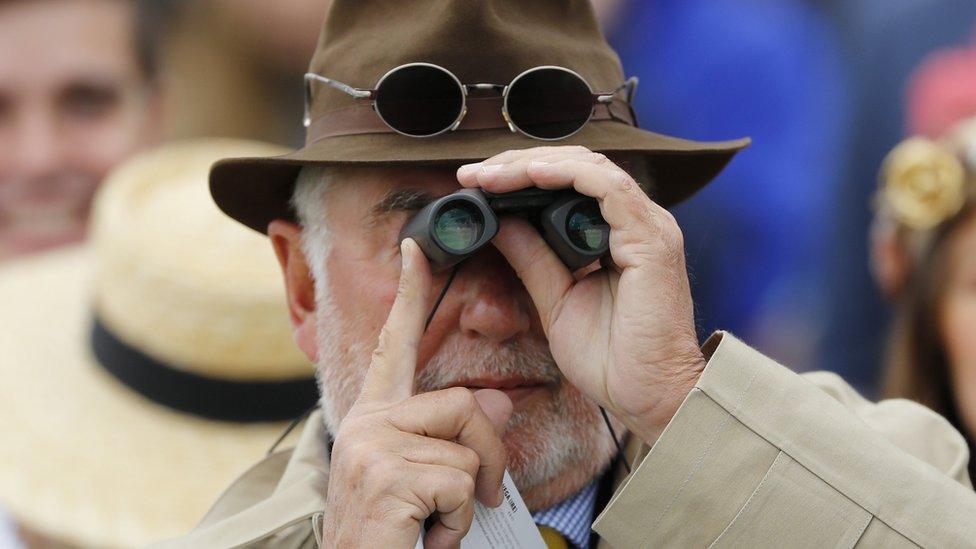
(923,183)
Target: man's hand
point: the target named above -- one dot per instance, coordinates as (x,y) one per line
(625,334)
(398,458)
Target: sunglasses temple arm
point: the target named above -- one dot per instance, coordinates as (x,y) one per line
(345,88)
(631,86)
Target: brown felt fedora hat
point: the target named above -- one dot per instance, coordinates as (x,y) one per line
(484,41)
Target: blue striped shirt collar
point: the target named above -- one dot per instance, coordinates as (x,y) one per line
(572,517)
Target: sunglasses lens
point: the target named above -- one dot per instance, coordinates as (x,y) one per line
(419,100)
(458,226)
(549,103)
(586,227)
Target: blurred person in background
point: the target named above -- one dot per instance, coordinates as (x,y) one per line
(924,260)
(155,366)
(234,67)
(771,69)
(883,43)
(923,242)
(78,94)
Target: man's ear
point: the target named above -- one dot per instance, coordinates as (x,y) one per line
(286,237)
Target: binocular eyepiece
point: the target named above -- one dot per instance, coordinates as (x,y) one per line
(456,226)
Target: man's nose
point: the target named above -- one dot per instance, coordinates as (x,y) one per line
(38,146)
(496,305)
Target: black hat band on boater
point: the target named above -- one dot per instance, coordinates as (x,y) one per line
(208,397)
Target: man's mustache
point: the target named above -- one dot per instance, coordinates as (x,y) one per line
(460,360)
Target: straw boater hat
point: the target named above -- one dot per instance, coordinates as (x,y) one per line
(489,41)
(146,370)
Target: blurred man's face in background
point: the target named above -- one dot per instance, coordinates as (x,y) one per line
(75,100)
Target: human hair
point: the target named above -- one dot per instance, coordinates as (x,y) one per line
(929,193)
(917,362)
(152,21)
(308,203)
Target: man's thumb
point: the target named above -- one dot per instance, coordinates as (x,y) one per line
(496,405)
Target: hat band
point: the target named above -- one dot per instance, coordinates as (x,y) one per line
(484,113)
(208,397)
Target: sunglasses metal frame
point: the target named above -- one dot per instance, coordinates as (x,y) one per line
(630,86)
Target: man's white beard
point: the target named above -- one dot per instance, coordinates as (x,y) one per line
(563,437)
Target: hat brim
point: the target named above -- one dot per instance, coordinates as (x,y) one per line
(84,459)
(256,191)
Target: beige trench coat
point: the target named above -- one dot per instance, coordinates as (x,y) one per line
(757,456)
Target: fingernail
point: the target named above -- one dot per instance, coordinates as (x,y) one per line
(405,256)
(488,171)
(468,170)
(501,496)
(538,163)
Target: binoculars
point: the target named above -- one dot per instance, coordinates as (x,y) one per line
(456,226)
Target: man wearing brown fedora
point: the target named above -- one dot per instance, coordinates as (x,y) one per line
(454,345)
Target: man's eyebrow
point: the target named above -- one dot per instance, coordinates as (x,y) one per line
(397,200)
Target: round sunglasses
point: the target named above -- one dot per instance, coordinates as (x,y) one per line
(424,100)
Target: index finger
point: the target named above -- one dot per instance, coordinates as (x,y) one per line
(391,371)
(508,171)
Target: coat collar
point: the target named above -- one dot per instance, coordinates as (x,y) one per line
(281,490)
(289,487)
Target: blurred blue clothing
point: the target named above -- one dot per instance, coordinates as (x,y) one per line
(770,69)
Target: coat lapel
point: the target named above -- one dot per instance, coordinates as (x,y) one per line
(284,489)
